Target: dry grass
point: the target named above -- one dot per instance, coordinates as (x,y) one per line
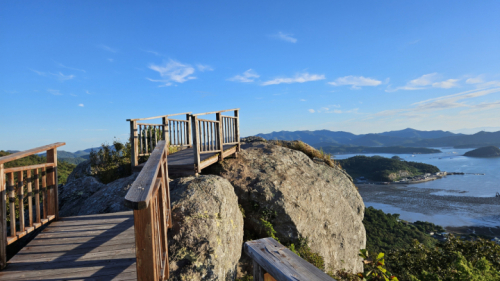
(310,151)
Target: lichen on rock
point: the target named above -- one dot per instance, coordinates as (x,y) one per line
(206,239)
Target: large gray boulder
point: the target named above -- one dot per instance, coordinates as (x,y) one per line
(301,199)
(206,239)
(83,194)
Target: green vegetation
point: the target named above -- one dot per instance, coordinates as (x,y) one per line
(487,151)
(387,149)
(379,168)
(111,162)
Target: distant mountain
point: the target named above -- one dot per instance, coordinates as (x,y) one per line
(407,137)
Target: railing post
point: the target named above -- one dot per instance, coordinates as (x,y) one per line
(3,220)
(144,244)
(52,194)
(218,117)
(189,141)
(196,144)
(237,129)
(134,144)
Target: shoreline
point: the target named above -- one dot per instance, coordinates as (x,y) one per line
(457,214)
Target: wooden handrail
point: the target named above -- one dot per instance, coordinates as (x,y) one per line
(210,136)
(279,263)
(149,197)
(46,174)
(145,136)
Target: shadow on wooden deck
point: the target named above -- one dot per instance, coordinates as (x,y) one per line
(93,247)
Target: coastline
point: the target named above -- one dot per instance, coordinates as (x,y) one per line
(458,214)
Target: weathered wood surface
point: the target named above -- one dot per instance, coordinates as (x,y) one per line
(21,154)
(214,112)
(281,263)
(94,247)
(161,116)
(139,194)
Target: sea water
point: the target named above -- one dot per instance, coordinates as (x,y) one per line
(481,179)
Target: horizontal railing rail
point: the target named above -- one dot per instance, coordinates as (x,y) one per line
(149,197)
(144,137)
(275,262)
(210,136)
(35,180)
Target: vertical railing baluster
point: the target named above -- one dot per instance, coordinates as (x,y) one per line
(237,126)
(44,192)
(151,147)
(37,195)
(140,140)
(30,196)
(12,203)
(134,143)
(3,219)
(20,194)
(156,135)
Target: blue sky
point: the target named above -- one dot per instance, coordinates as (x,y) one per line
(74,71)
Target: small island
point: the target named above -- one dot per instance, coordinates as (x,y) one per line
(381,169)
(345,149)
(487,151)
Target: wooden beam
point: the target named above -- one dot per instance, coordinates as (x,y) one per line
(30,196)
(144,250)
(134,144)
(189,141)
(21,154)
(25,168)
(237,127)
(196,144)
(215,112)
(3,219)
(155,117)
(12,203)
(220,135)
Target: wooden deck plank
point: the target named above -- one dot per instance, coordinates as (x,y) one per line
(94,247)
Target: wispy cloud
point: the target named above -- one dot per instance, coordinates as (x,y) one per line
(203,68)
(70,68)
(356,82)
(59,75)
(81,105)
(299,78)
(426,81)
(54,92)
(107,48)
(285,37)
(474,80)
(302,100)
(247,77)
(173,72)
(312,110)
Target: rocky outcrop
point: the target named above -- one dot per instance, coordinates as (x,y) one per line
(400,174)
(300,198)
(206,239)
(83,194)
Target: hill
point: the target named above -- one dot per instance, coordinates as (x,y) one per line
(487,151)
(377,168)
(389,149)
(407,137)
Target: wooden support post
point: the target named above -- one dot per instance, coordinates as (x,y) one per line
(258,272)
(44,190)
(189,132)
(237,128)
(196,144)
(134,143)
(20,194)
(12,204)
(218,117)
(3,219)
(30,196)
(37,195)
(52,196)
(144,244)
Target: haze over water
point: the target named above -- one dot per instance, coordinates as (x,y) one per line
(450,160)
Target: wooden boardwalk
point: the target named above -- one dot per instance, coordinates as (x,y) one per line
(93,247)
(181,163)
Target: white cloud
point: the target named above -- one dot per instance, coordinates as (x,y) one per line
(450,83)
(70,68)
(312,110)
(302,100)
(355,81)
(299,78)
(59,76)
(204,68)
(248,76)
(81,105)
(107,48)
(286,37)
(111,60)
(475,80)
(54,92)
(173,71)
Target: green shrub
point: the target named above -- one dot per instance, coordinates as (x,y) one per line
(111,163)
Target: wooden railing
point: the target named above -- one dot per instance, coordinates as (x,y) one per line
(33,179)
(144,137)
(275,262)
(149,197)
(210,136)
